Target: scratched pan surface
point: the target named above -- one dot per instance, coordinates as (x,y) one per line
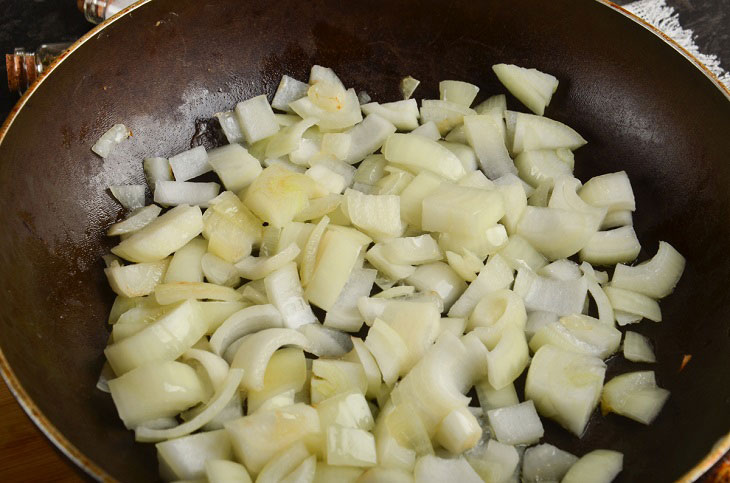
(642,106)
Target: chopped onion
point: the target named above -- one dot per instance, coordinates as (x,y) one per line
(390,452)
(346,111)
(565,386)
(491,398)
(402,114)
(535,132)
(325,342)
(135,222)
(494,461)
(598,466)
(619,245)
(344,314)
(634,395)
(186,264)
(376,215)
(517,424)
(633,303)
(532,87)
(157,169)
(461,210)
(509,357)
(393,271)
(518,253)
(420,153)
(541,166)
(223,471)
(137,279)
(286,372)
(612,191)
(637,348)
(367,137)
(412,196)
(170,293)
(496,103)
(606,313)
(656,277)
(438,278)
(246,321)
(283,463)
(557,233)
(388,349)
(110,139)
(562,297)
(376,475)
(495,275)
(332,377)
(617,218)
(131,197)
(228,122)
(445,114)
(562,269)
(545,462)
(284,290)
(431,469)
(538,319)
(396,292)
(579,333)
(485,136)
(350,447)
(494,313)
(428,130)
(256,268)
(360,353)
(393,183)
(219,271)
(215,368)
(256,119)
(173,193)
(186,457)
(190,164)
(458,92)
(289,90)
(459,431)
(234,166)
(408,85)
(466,265)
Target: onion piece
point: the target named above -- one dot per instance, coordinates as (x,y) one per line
(320,207)
(532,87)
(579,333)
(633,303)
(459,431)
(388,349)
(234,166)
(565,386)
(617,218)
(408,429)
(637,348)
(348,474)
(634,395)
(186,457)
(509,357)
(328,179)
(562,297)
(367,137)
(154,391)
(461,210)
(392,271)
(289,90)
(598,466)
(619,245)
(377,475)
(412,196)
(485,137)
(163,236)
(157,169)
(538,319)
(517,424)
(258,437)
(612,191)
(256,119)
(402,114)
(518,253)
(606,313)
(285,292)
(408,85)
(428,130)
(396,292)
(394,183)
(491,398)
(244,322)
(445,114)
(376,215)
(350,447)
(656,277)
(466,265)
(173,193)
(283,463)
(332,377)
(219,271)
(412,250)
(494,313)
(344,314)
(223,471)
(440,279)
(419,153)
(370,170)
(110,139)
(545,462)
(288,139)
(131,197)
(346,113)
(256,349)
(256,268)
(536,132)
(286,372)
(557,233)
(224,394)
(137,279)
(190,164)
(495,275)
(494,461)
(325,342)
(562,269)
(135,222)
(458,92)
(432,469)
(361,354)
(391,453)
(541,166)
(228,122)
(170,293)
(564,196)
(216,368)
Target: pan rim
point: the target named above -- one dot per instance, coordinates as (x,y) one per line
(91,468)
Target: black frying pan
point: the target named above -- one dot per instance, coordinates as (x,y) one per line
(169,65)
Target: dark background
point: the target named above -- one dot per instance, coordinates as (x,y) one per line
(30,23)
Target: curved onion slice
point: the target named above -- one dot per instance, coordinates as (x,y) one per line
(170,293)
(244,322)
(637,348)
(565,197)
(255,351)
(344,314)
(634,303)
(562,297)
(557,233)
(494,313)
(309,254)
(634,395)
(215,405)
(495,275)
(508,358)
(603,304)
(324,342)
(285,291)
(656,277)
(599,466)
(619,245)
(579,333)
(219,271)
(216,368)
(388,349)
(545,462)
(360,353)
(612,191)
(256,268)
(136,221)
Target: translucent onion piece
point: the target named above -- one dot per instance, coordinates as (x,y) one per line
(287,139)
(495,275)
(419,153)
(428,130)
(367,137)
(223,471)
(557,233)
(390,270)
(234,166)
(517,424)
(496,103)
(494,312)
(157,169)
(216,368)
(637,348)
(545,462)
(459,431)
(412,250)
(388,349)
(328,179)
(494,461)
(254,292)
(458,92)
(562,297)
(344,314)
(256,268)
(532,87)
(393,183)
(535,132)
(656,277)
(164,340)
(563,269)
(634,395)
(408,429)
(156,390)
(466,266)
(285,292)
(256,119)
(617,218)
(289,90)
(391,453)
(286,372)
(163,236)
(440,279)
(460,209)
(605,311)
(346,110)
(258,437)
(256,349)
(219,271)
(491,398)
(186,457)
(432,469)
(245,322)
(598,466)
(173,193)
(135,222)
(579,333)
(564,196)
(349,410)
(457,135)
(304,473)
(131,197)
(137,279)
(319,207)
(230,127)
(380,474)
(412,196)
(445,114)
(223,395)
(619,245)
(361,354)
(408,85)
(325,342)
(485,136)
(396,292)
(170,293)
(190,164)
(612,191)
(377,215)
(538,319)
(402,114)
(477,179)
(565,386)
(283,463)
(110,139)
(340,474)
(509,357)
(633,303)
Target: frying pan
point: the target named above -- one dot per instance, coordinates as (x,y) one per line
(166,67)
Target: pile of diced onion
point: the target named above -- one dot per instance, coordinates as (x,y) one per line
(365,266)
